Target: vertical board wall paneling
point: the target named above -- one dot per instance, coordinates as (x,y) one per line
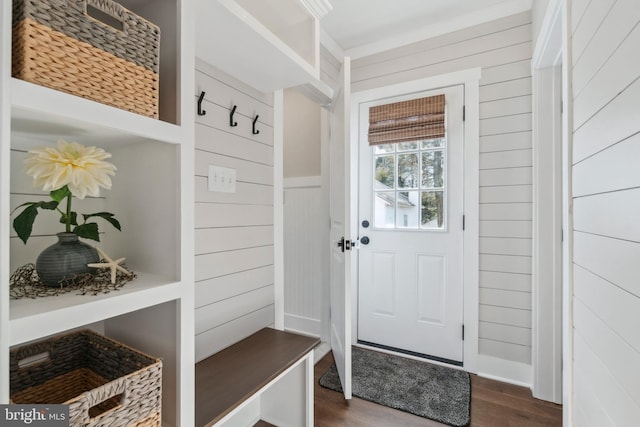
(503,49)
(303,256)
(234,231)
(606,296)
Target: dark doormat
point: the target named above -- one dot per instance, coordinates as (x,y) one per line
(420,388)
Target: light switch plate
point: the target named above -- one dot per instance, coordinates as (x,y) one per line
(221,180)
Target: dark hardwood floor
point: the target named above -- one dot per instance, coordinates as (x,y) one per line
(493,404)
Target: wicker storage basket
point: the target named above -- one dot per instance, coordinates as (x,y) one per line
(57,44)
(105,383)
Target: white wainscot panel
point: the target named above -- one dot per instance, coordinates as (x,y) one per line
(432,285)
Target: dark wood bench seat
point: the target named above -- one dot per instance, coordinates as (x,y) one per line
(228,378)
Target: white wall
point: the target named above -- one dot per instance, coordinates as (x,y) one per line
(234,235)
(605,40)
(503,49)
(538,10)
(301,135)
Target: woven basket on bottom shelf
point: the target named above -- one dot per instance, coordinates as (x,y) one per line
(105,383)
(58,45)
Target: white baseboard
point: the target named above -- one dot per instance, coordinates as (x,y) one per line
(321,351)
(302,325)
(505,370)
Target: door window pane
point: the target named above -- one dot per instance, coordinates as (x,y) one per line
(432,143)
(407,209)
(385,172)
(408,169)
(433,169)
(410,184)
(406,146)
(384,209)
(432,209)
(384,148)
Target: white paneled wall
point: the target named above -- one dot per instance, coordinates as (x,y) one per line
(304,255)
(234,231)
(606,194)
(503,49)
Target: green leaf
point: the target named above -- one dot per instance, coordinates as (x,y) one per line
(74,218)
(60,194)
(109,217)
(88,231)
(23,223)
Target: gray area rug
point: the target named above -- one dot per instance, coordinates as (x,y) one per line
(424,389)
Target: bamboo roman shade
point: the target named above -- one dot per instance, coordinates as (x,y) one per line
(407,120)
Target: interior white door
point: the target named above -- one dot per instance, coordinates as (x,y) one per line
(341,254)
(410,281)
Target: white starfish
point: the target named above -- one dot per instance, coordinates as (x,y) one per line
(113,265)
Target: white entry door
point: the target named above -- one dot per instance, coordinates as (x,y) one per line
(340,233)
(410,285)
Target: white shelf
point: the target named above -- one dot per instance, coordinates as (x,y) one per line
(258,45)
(42,115)
(32,319)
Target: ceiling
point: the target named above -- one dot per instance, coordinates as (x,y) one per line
(360,27)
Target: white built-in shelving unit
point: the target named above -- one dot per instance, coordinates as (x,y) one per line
(152,197)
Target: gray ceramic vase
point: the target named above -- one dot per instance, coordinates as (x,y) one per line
(65,259)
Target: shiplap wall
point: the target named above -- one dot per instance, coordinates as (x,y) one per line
(234,290)
(606,197)
(503,49)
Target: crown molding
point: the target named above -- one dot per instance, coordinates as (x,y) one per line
(488,14)
(318,7)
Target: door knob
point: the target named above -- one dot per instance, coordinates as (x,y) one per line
(365,224)
(364,240)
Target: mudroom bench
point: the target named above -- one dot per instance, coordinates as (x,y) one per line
(265,379)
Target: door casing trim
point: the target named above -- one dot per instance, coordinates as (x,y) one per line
(470,79)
